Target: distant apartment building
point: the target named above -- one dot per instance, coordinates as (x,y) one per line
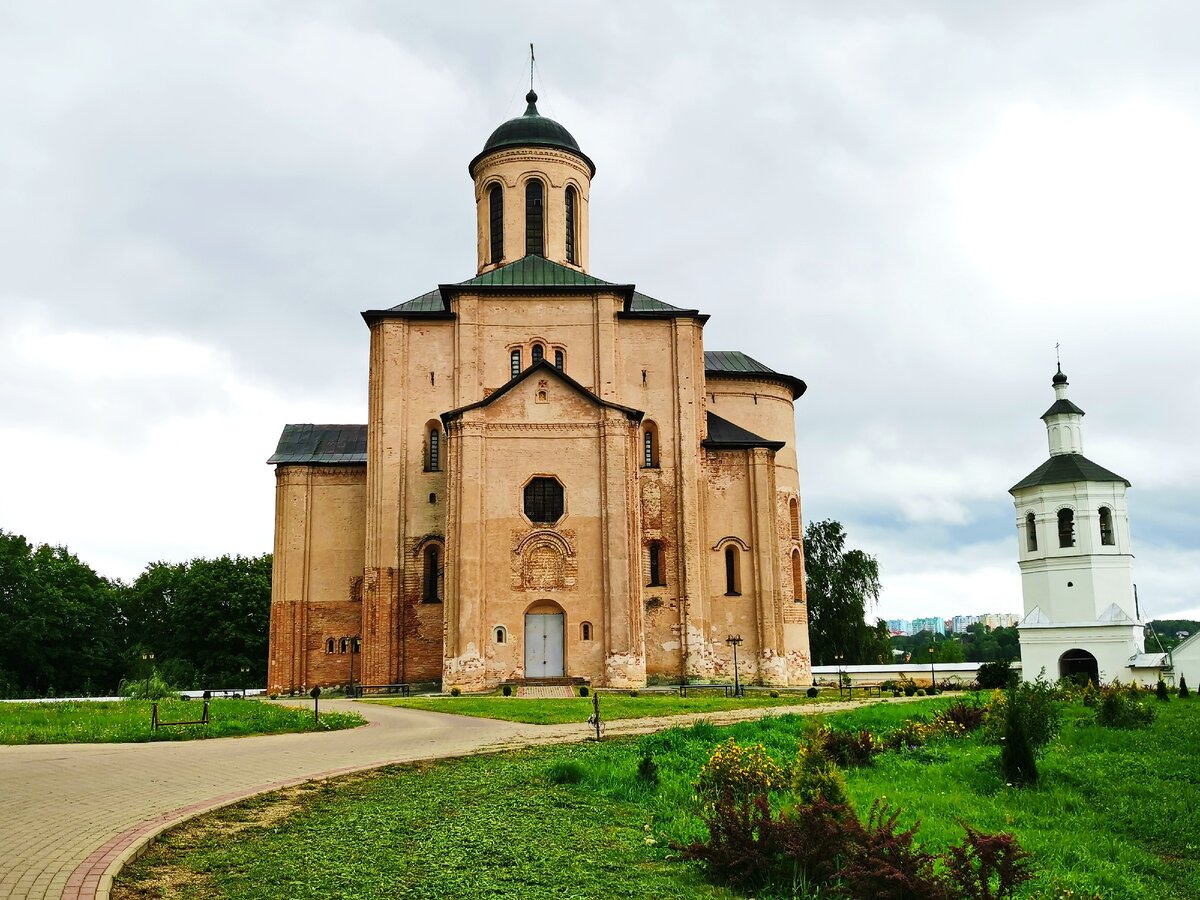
(899,627)
(933,623)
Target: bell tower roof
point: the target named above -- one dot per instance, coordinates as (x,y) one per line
(532,129)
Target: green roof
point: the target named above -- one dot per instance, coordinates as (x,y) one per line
(534,271)
(1066,468)
(735,364)
(321,445)
(430,302)
(643,303)
(532,130)
(733,361)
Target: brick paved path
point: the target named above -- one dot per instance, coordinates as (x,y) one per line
(71,814)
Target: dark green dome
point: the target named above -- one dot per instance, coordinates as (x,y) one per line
(532,130)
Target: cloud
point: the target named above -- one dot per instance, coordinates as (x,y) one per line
(906,207)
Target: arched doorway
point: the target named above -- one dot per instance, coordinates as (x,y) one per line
(1074,662)
(544,631)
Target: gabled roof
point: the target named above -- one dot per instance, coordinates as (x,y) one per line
(1062,406)
(541,368)
(735,364)
(1066,468)
(1114,613)
(321,445)
(532,273)
(724,435)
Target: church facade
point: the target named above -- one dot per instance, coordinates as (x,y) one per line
(1076,558)
(556,478)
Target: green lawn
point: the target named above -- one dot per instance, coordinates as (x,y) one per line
(125,721)
(1117,814)
(612,705)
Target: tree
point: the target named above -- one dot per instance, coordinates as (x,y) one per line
(839,584)
(61,630)
(205,620)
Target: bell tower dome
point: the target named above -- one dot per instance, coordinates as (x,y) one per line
(532,189)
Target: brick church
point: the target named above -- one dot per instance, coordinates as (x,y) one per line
(556,478)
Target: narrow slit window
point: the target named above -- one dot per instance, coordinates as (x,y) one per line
(329,645)
(570,201)
(1066,528)
(797,577)
(1031,533)
(501,634)
(496,222)
(514,363)
(537,354)
(559,359)
(650,446)
(732,573)
(794,516)
(431,576)
(1106,527)
(656,567)
(535,243)
(342,645)
(434,461)
(586,631)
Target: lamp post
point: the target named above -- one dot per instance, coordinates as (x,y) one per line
(148,665)
(838,657)
(932,678)
(733,641)
(245,678)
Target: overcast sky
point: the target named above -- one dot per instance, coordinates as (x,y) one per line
(906,205)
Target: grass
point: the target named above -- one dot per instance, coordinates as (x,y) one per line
(612,706)
(1117,814)
(128,721)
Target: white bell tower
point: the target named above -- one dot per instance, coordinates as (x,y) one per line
(1081,613)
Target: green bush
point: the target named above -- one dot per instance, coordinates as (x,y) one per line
(455,692)
(648,770)
(633,693)
(1160,691)
(910,689)
(583,690)
(1184,693)
(774,694)
(814,775)
(812,692)
(1121,707)
(920,692)
(995,675)
(273,695)
(506,690)
(1031,719)
(153,687)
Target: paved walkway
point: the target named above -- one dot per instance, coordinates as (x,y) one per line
(72,814)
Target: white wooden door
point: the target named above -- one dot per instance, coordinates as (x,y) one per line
(543,645)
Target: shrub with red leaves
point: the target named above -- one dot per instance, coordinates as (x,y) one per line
(987,866)
(967,716)
(887,866)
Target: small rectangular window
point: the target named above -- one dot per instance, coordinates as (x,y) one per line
(559,359)
(514,363)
